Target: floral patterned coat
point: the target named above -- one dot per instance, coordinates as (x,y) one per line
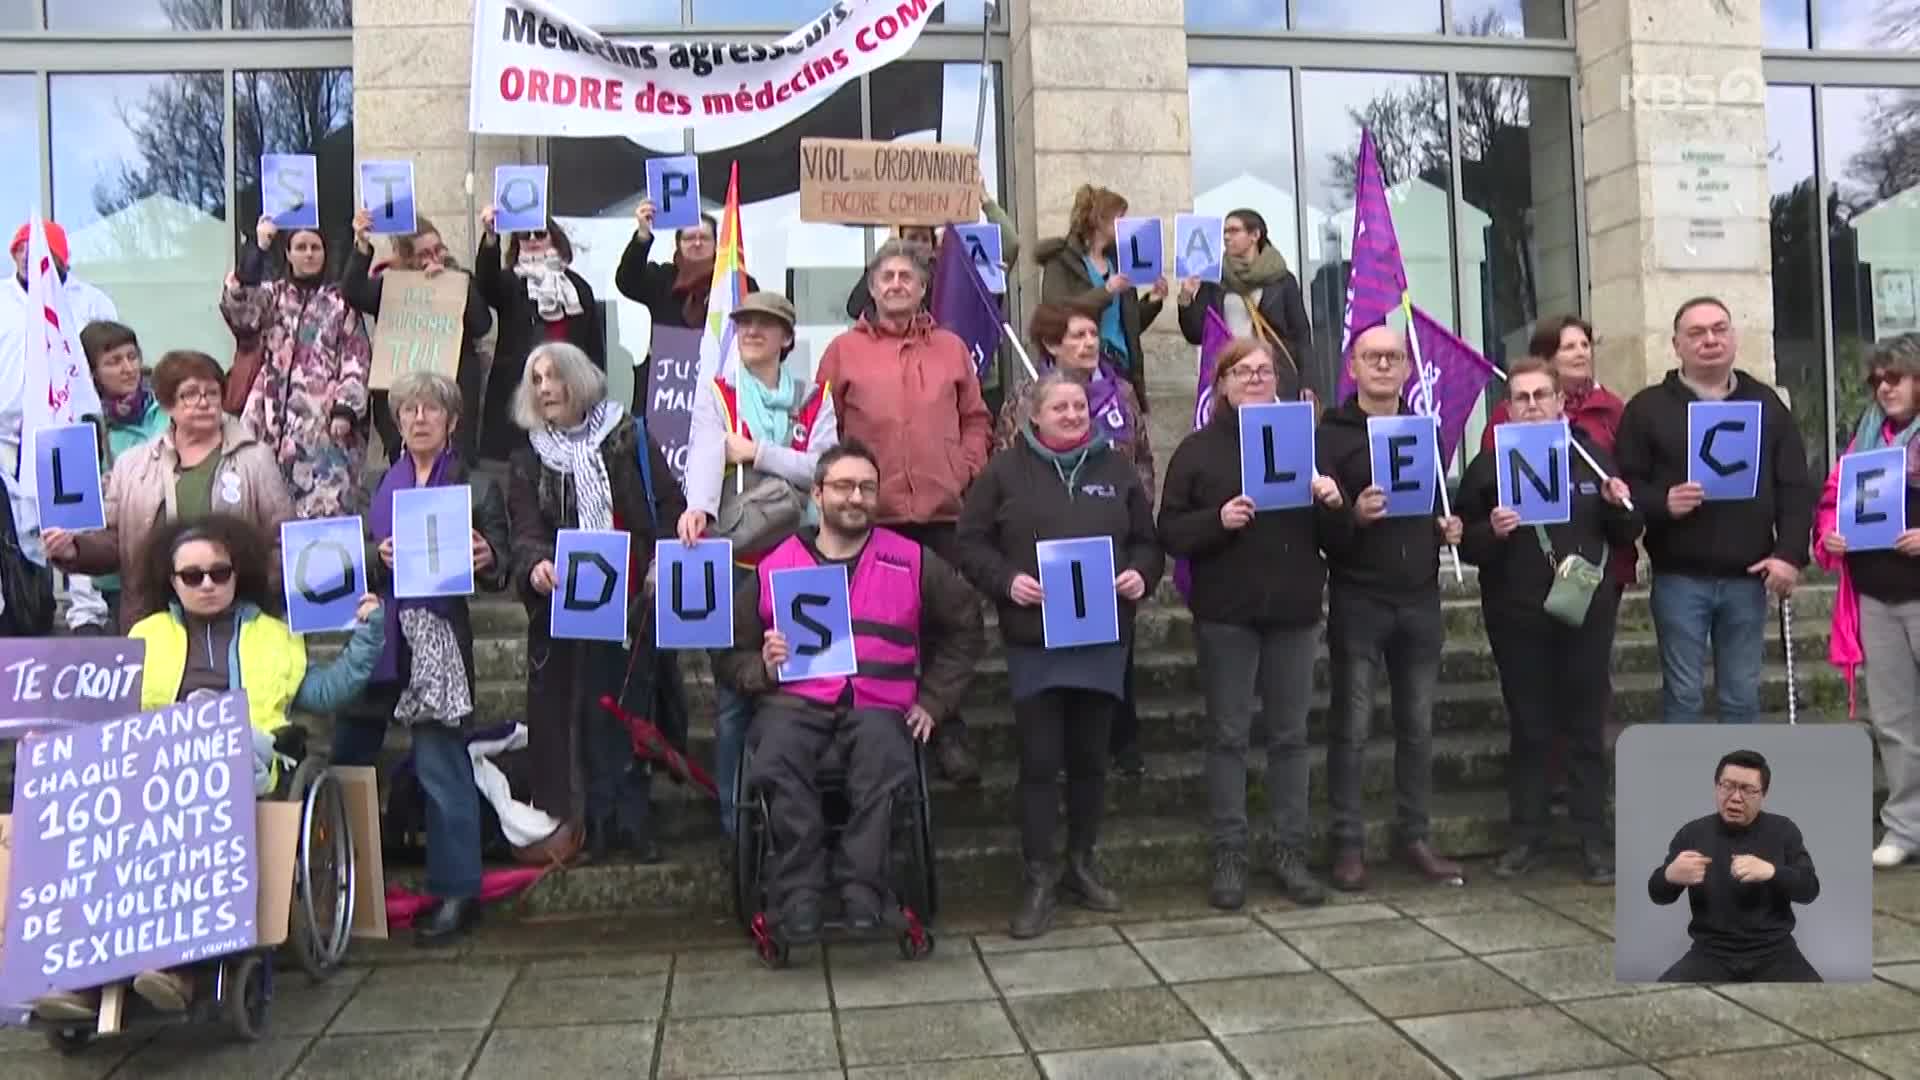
(317,356)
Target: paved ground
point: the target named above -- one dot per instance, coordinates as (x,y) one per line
(1405,981)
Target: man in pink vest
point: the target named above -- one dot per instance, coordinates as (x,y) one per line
(917,635)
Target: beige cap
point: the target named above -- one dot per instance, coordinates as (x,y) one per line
(766,303)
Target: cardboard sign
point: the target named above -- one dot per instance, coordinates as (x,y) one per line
(1199,246)
(1079,605)
(674,380)
(519,198)
(1276,454)
(1723,448)
(433,542)
(1872,508)
(1404,451)
(360,790)
(54,682)
(858,182)
(1142,254)
(386,191)
(589,602)
(983,246)
(811,609)
(673,183)
(420,326)
(66,466)
(290,190)
(1534,471)
(323,567)
(693,594)
(135,848)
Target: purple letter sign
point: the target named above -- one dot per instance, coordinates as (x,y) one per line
(55,682)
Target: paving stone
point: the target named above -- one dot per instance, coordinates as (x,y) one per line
(996,1068)
(1071,938)
(1677,1023)
(1195,1059)
(915,1033)
(1907,975)
(303,1008)
(46,1064)
(399,1056)
(1831,1010)
(748,1044)
(1064,971)
(1894,940)
(193,1052)
(1897,893)
(425,997)
(1434,986)
(1271,1003)
(1625,1072)
(1895,1055)
(1366,944)
(752,989)
(1103,1018)
(741,960)
(1226,957)
(1372,1049)
(1595,915)
(596,1050)
(1327,915)
(603,963)
(1435,900)
(1579,971)
(1507,931)
(1803,1061)
(868,975)
(586,999)
(1164,930)
(1504,1042)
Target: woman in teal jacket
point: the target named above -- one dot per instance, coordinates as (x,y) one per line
(131,411)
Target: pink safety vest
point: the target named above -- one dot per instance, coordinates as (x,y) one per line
(884,605)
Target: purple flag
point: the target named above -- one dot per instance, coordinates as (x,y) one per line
(1378,277)
(962,304)
(1448,377)
(1213,338)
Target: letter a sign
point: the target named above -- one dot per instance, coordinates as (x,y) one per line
(589,601)
(693,594)
(812,611)
(1535,471)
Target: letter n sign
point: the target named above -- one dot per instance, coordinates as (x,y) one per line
(589,601)
(323,565)
(1535,470)
(814,612)
(1872,510)
(693,594)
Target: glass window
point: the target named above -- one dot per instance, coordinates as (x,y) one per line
(1799,334)
(1237,15)
(1785,23)
(302,111)
(19,14)
(133,15)
(19,127)
(139,181)
(1869,24)
(788,14)
(292,14)
(1377,17)
(1510,18)
(1248,167)
(626,13)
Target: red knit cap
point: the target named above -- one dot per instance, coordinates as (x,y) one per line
(56,239)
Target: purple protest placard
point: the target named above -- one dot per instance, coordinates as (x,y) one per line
(133,847)
(51,682)
(673,379)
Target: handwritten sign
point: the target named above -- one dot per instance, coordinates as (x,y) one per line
(290,190)
(1872,510)
(1142,251)
(1403,450)
(673,183)
(859,182)
(693,594)
(66,466)
(51,682)
(1078,605)
(1723,448)
(811,609)
(675,379)
(433,542)
(590,597)
(134,847)
(323,567)
(386,192)
(519,198)
(420,325)
(1534,471)
(1276,454)
(1199,246)
(983,246)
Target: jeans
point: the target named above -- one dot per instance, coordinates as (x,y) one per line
(1235,661)
(1687,612)
(1365,632)
(1890,637)
(446,779)
(733,714)
(1062,728)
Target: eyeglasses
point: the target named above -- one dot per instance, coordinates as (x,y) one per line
(1247,375)
(197,395)
(1729,787)
(1885,378)
(1382,360)
(193,576)
(421,408)
(1538,397)
(844,488)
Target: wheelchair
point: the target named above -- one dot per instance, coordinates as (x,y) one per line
(319,920)
(913,881)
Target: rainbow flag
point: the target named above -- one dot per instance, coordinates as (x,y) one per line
(717,355)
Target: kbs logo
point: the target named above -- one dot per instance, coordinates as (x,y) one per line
(1697,93)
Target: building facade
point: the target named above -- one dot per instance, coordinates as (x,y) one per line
(1610,157)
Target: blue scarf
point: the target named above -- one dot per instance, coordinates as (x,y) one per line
(767,413)
(400,477)
(1113,336)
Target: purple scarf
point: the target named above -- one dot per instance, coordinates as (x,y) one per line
(1108,406)
(400,477)
(131,408)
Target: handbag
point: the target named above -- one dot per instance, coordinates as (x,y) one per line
(246,368)
(1575,580)
(758,513)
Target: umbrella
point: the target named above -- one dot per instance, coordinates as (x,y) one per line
(649,743)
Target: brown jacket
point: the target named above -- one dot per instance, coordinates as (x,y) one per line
(140,496)
(915,401)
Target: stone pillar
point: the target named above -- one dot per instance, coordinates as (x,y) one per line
(1673,112)
(1100,96)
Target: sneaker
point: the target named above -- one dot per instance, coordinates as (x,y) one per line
(1229,889)
(1518,861)
(67,1006)
(1888,855)
(1296,881)
(860,908)
(164,990)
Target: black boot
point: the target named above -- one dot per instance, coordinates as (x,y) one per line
(1082,885)
(1035,914)
(1301,887)
(1229,889)
(449,922)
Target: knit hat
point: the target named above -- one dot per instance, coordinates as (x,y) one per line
(56,239)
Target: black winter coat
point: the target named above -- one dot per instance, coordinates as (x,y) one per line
(521,330)
(1392,557)
(1284,308)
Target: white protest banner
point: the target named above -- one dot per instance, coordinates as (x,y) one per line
(540,70)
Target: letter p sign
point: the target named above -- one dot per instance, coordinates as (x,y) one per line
(673,183)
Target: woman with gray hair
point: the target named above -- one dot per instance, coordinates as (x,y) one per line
(588,465)
(424,677)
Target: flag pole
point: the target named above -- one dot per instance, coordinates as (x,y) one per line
(1439,465)
(1581,450)
(986,69)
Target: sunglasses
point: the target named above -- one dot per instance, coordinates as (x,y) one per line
(1885,378)
(193,576)
(538,235)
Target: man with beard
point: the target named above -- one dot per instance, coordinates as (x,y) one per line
(910,613)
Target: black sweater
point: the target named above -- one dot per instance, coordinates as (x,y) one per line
(1720,538)
(1392,557)
(1270,573)
(1732,920)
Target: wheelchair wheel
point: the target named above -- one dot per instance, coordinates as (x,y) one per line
(749,849)
(323,894)
(244,1007)
(69,1040)
(923,885)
